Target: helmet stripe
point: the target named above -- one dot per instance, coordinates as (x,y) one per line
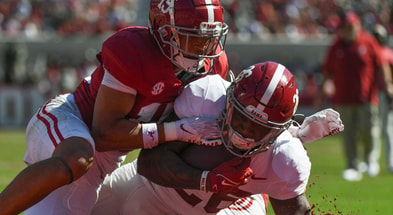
(210,11)
(272,86)
(171,15)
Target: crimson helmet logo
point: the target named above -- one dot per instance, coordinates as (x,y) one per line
(158,88)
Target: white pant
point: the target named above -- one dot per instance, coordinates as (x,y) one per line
(255,204)
(386,111)
(126,192)
(55,121)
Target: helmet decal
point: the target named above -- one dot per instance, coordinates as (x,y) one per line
(165,5)
(215,27)
(296,100)
(258,112)
(245,73)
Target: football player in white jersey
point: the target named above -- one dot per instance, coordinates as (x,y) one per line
(254,114)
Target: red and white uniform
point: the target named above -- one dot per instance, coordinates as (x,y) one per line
(131,62)
(282,172)
(354,64)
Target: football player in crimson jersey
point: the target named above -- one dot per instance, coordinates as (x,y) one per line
(75,139)
(254,114)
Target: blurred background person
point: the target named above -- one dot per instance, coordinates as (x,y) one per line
(385,96)
(350,72)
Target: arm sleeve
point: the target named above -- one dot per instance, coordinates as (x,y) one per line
(113,83)
(292,167)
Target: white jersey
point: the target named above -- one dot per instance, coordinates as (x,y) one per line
(282,172)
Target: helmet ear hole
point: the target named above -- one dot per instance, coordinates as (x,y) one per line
(285,112)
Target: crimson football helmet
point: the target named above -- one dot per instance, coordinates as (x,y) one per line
(189,31)
(260,105)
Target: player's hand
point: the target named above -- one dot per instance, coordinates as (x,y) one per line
(319,125)
(229,175)
(198,130)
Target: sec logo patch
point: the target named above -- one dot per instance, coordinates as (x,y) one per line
(158,88)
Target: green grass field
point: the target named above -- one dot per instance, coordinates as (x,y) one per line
(327,192)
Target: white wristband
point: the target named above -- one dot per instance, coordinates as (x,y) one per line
(149,135)
(203,181)
(170,132)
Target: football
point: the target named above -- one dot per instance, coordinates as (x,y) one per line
(205,157)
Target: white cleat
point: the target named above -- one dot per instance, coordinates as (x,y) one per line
(373,169)
(352,175)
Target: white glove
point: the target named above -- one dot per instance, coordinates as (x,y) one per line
(319,125)
(198,130)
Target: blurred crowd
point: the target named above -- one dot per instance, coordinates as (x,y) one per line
(261,19)
(34,17)
(293,18)
(301,18)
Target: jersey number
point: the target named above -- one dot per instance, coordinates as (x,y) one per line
(214,200)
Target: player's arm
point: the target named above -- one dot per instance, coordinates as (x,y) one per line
(319,125)
(164,165)
(111,129)
(388,79)
(295,206)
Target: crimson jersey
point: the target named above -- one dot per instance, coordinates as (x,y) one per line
(133,58)
(387,55)
(354,70)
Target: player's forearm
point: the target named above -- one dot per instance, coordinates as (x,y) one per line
(32,185)
(164,167)
(122,135)
(297,206)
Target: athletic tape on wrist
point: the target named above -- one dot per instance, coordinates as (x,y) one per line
(149,135)
(170,131)
(203,181)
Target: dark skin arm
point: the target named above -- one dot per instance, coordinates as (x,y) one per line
(39,179)
(295,206)
(177,172)
(165,158)
(168,164)
(178,164)
(110,124)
